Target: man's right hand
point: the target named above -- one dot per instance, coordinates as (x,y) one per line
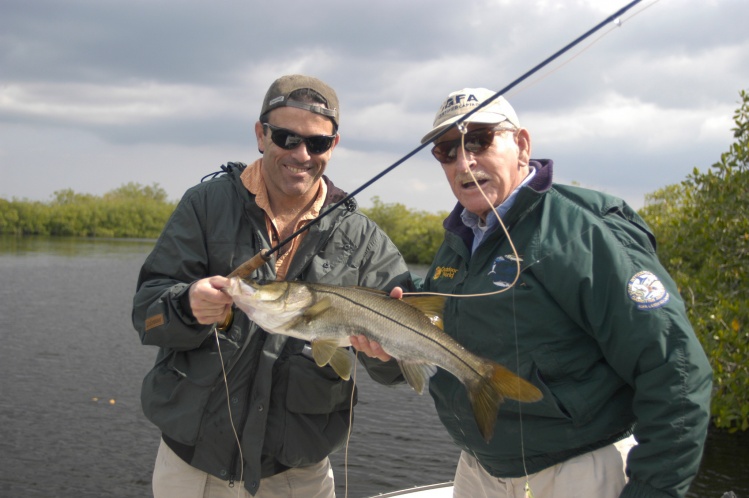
(208,302)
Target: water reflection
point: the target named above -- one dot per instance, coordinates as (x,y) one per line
(67,339)
(72,246)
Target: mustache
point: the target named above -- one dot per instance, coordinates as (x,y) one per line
(464,178)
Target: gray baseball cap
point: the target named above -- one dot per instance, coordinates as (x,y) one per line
(278,96)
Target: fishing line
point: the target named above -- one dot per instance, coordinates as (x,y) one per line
(612,18)
(231,418)
(463,130)
(265,255)
(617,23)
(461,126)
(350,423)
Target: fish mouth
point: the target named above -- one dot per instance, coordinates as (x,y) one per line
(238,287)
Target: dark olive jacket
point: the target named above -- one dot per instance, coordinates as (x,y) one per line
(287,411)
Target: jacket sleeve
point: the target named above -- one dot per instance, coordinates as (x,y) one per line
(161,312)
(627,301)
(383,268)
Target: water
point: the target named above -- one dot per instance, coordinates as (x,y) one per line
(70,372)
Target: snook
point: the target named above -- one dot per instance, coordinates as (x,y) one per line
(408,330)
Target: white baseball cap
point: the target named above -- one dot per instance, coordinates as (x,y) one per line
(464,101)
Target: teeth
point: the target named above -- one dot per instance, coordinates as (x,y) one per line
(296,170)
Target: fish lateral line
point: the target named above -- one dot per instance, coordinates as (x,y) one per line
(469,362)
(315,289)
(417,332)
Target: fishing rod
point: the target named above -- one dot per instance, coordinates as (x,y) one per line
(246,268)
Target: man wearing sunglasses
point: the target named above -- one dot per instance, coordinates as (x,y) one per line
(288,413)
(587,313)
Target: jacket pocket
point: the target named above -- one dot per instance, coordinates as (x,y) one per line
(318,409)
(176,390)
(563,397)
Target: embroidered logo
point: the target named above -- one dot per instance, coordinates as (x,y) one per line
(647,291)
(455,103)
(504,270)
(444,271)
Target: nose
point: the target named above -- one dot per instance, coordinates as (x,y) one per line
(465,160)
(300,152)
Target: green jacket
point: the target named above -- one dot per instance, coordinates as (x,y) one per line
(594,321)
(287,411)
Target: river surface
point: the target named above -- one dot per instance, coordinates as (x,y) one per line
(71,367)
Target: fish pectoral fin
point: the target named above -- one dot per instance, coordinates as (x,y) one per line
(341,360)
(319,307)
(417,374)
(431,306)
(343,363)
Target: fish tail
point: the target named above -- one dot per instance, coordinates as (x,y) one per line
(487,393)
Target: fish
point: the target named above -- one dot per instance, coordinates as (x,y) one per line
(409,329)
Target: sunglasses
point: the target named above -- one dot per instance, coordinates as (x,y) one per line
(288,140)
(475,142)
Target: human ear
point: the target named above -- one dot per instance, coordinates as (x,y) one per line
(524,146)
(260,136)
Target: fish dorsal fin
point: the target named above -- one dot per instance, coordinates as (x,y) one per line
(341,360)
(417,374)
(431,306)
(317,308)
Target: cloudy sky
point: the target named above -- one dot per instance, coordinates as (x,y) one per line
(95,94)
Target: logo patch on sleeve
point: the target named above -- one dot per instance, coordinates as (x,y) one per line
(155,321)
(647,291)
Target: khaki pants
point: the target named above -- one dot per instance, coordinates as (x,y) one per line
(173,478)
(597,474)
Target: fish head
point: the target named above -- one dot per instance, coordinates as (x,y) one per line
(269,304)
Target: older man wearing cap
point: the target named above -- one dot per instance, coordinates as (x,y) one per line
(270,417)
(585,311)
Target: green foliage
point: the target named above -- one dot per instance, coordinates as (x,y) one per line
(417,234)
(702,227)
(129,211)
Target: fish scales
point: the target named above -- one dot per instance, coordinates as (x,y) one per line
(408,330)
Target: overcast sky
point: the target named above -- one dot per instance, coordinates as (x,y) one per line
(95,94)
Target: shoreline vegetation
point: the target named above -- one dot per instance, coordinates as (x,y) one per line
(140,212)
(701,225)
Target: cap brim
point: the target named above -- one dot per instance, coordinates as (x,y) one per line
(479,117)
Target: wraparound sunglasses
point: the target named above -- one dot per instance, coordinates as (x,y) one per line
(288,140)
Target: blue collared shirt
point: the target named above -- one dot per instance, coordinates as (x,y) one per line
(481,229)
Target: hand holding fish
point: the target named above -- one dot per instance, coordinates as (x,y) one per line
(369,348)
(208,303)
(396,293)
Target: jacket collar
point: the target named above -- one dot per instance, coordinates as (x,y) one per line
(538,186)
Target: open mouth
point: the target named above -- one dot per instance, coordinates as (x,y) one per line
(472,185)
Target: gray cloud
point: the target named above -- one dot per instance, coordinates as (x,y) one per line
(165,91)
